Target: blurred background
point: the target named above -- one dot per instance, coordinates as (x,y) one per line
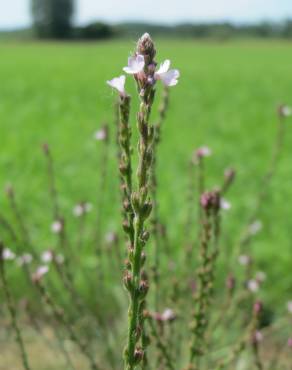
(86,19)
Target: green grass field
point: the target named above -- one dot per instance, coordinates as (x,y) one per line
(226,98)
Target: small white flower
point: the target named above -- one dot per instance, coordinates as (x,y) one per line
(57,227)
(78,210)
(25,259)
(118,83)
(82,208)
(111,237)
(225,205)
(168,315)
(203,151)
(286,111)
(253,285)
(40,272)
(258,336)
(47,256)
(261,276)
(8,255)
(135,65)
(255,227)
(169,77)
(100,135)
(289,307)
(244,260)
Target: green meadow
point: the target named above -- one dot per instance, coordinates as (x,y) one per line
(227,99)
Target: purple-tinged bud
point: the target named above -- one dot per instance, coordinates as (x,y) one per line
(289,343)
(211,201)
(143,258)
(257,307)
(128,281)
(143,288)
(257,337)
(128,264)
(230,283)
(126,227)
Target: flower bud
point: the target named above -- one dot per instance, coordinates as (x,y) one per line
(128,281)
(138,355)
(143,288)
(146,47)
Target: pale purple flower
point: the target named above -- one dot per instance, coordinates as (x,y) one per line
(255,227)
(244,260)
(285,111)
(289,342)
(225,205)
(24,259)
(135,65)
(57,227)
(257,337)
(40,272)
(118,83)
(169,77)
(289,307)
(111,237)
(168,315)
(8,255)
(47,256)
(253,285)
(82,208)
(101,135)
(203,151)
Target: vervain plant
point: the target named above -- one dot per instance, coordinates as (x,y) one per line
(137,202)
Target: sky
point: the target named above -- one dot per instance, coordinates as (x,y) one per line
(16,13)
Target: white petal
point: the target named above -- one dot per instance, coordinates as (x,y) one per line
(118,83)
(225,205)
(164,67)
(170,78)
(135,64)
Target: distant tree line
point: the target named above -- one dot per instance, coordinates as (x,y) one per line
(54,19)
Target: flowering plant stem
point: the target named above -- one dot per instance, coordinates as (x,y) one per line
(12,312)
